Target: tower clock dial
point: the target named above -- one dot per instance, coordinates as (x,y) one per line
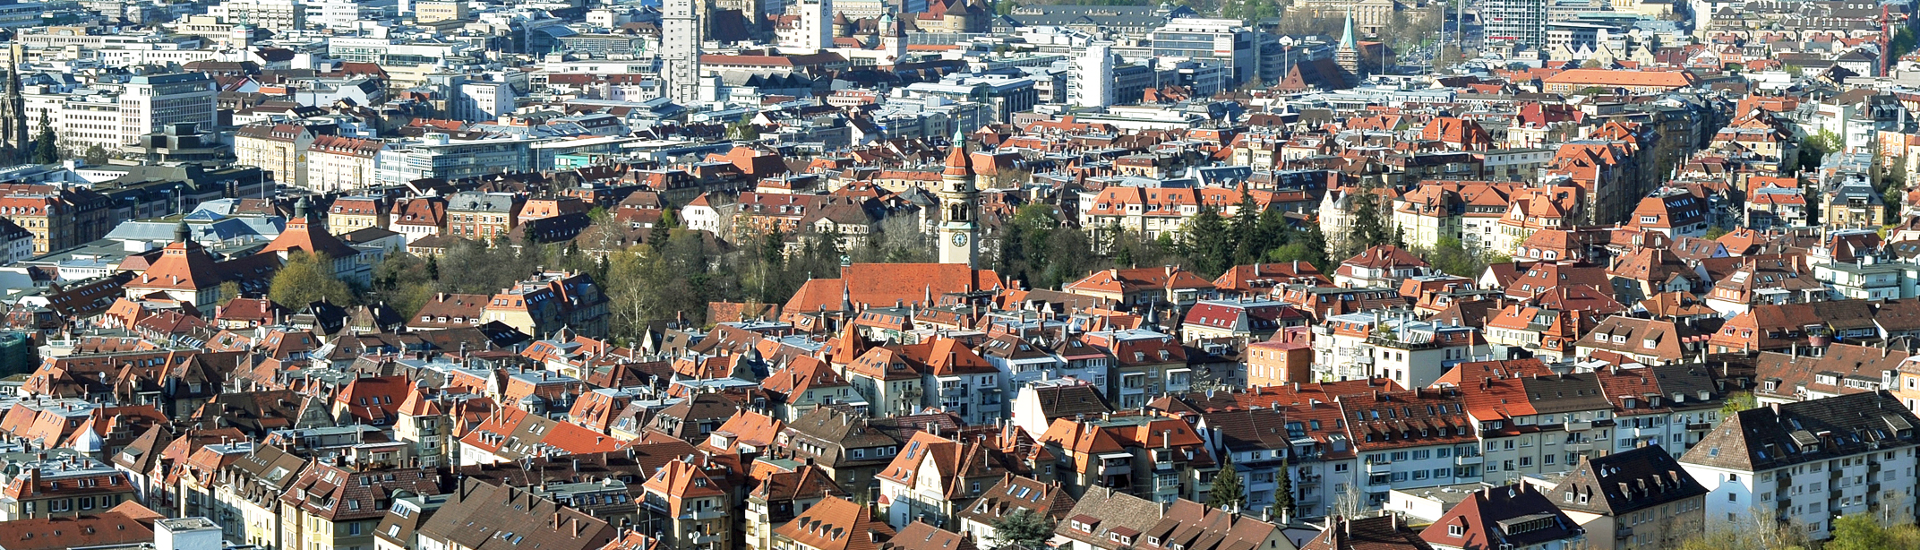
(959,239)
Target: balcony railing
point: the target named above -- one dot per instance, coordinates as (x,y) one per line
(1579,425)
(1464,460)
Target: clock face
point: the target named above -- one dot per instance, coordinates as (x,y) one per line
(959,239)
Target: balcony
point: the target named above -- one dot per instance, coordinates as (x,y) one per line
(1375,486)
(1379,467)
(701,515)
(1699,426)
(1579,447)
(1623,533)
(1579,425)
(1463,460)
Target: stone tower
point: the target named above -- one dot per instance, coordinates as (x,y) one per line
(1347,53)
(959,234)
(15,136)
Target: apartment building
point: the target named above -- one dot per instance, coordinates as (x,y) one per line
(279,150)
(1661,505)
(1810,462)
(1409,439)
(339,163)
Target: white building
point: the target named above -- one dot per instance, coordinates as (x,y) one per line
(483,101)
(279,16)
(115,116)
(680,50)
(1810,462)
(1093,77)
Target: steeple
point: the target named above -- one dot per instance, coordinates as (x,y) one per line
(1346,33)
(958,198)
(957,162)
(300,208)
(1347,54)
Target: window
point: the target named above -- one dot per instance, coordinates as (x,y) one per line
(1456,531)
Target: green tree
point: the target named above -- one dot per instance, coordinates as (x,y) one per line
(1023,529)
(1737,402)
(663,228)
(1283,492)
(404,282)
(744,130)
(1227,492)
(1309,245)
(308,278)
(1858,532)
(1815,148)
(1451,257)
(1207,243)
(228,291)
(1368,228)
(97,155)
(46,148)
(1245,222)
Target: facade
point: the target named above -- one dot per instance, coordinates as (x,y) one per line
(336,164)
(680,43)
(1663,502)
(1226,43)
(1516,21)
(1861,461)
(482,216)
(279,150)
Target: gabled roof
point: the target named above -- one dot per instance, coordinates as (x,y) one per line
(1499,517)
(1625,482)
(837,524)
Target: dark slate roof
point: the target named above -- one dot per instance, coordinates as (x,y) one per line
(1500,517)
(1625,482)
(1777,436)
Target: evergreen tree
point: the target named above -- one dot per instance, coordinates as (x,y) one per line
(663,228)
(1206,243)
(1227,492)
(46,150)
(1269,232)
(1283,494)
(1367,229)
(1023,529)
(1246,222)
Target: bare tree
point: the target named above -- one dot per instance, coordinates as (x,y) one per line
(1350,502)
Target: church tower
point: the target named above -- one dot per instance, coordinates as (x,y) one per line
(959,234)
(1347,53)
(13,110)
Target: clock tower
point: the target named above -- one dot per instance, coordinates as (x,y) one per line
(959,234)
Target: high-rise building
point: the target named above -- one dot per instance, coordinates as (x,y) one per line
(1093,77)
(680,51)
(1520,21)
(1227,43)
(959,200)
(816,26)
(150,103)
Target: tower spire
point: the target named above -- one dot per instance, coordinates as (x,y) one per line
(1346,33)
(958,205)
